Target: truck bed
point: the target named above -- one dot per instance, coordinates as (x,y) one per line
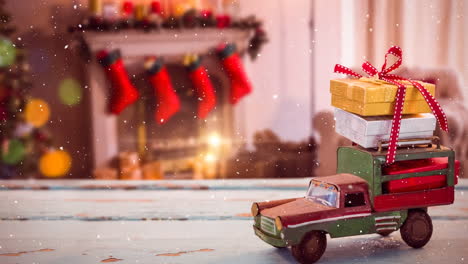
(424,198)
(418,183)
(421,177)
(414,192)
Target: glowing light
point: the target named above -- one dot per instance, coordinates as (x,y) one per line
(210,157)
(214,140)
(70,92)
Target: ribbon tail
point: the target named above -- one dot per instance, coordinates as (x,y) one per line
(433,104)
(395,131)
(396,121)
(345,70)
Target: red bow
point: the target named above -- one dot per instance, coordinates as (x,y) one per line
(400,95)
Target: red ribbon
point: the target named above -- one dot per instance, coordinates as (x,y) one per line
(384,74)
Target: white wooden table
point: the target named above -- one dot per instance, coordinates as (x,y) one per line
(186,222)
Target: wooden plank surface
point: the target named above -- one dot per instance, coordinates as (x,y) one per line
(185,222)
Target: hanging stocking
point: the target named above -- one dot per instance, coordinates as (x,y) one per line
(123,92)
(240,84)
(167,102)
(203,86)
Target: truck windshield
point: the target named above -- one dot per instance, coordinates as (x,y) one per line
(323,193)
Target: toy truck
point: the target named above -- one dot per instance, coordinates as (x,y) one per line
(365,197)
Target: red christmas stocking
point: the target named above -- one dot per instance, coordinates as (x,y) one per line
(203,87)
(123,92)
(167,102)
(240,84)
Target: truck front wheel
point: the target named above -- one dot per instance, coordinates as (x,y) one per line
(417,229)
(311,248)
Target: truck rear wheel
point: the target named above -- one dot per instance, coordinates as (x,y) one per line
(417,229)
(311,248)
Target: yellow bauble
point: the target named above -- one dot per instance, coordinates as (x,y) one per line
(37,112)
(55,163)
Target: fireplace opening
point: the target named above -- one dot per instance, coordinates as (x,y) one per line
(185,146)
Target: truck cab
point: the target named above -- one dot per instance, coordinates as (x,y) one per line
(365,197)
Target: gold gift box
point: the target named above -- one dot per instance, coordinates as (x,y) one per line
(373,97)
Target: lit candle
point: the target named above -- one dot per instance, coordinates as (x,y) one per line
(95,7)
(140,12)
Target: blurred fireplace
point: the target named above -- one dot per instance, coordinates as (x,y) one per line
(184,137)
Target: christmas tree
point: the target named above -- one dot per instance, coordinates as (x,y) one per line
(22,136)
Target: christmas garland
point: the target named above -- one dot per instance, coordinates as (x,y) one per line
(190,20)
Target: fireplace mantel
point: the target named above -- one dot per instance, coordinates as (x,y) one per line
(134,46)
(166,42)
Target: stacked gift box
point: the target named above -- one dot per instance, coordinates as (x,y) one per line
(363,113)
(364,110)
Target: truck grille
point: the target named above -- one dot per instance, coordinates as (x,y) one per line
(268,225)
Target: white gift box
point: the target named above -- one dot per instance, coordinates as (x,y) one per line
(369,130)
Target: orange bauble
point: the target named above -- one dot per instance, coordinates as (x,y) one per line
(37,112)
(55,163)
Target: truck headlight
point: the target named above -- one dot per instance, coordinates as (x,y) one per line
(278,223)
(255,210)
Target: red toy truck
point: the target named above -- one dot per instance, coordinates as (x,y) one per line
(364,197)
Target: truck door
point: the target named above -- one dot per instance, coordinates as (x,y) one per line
(357,217)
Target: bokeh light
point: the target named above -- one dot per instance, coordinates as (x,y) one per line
(70,92)
(7,52)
